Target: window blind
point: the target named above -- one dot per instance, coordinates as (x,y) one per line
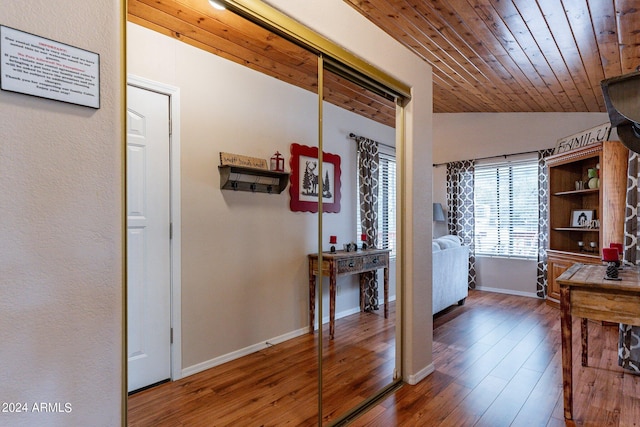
(386,204)
(506,209)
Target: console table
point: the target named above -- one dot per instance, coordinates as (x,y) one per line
(343,263)
(585,293)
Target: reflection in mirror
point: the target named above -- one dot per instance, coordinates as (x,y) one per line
(244,351)
(360,359)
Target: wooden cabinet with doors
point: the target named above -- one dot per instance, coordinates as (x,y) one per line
(571,241)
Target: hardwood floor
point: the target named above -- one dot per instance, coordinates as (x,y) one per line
(278,386)
(497,363)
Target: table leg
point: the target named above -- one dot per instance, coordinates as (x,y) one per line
(362,290)
(312,300)
(386,292)
(332,302)
(584,335)
(567,369)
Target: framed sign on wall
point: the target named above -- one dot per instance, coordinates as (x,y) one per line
(33,65)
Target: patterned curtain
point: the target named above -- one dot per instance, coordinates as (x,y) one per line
(543,220)
(368,168)
(629,342)
(460,219)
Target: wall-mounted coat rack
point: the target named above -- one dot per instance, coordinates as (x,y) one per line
(241,178)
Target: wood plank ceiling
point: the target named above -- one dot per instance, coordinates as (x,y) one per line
(515,55)
(225,34)
(486,55)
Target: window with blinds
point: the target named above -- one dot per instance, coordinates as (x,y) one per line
(386,204)
(506,209)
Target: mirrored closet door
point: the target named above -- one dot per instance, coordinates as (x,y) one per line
(249,348)
(359,351)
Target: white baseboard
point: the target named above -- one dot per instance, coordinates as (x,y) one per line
(211,363)
(420,375)
(216,361)
(349,312)
(345,313)
(508,292)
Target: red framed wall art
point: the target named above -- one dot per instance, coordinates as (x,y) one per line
(306,184)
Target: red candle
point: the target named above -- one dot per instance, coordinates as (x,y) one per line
(609,254)
(618,246)
(333,239)
(363,237)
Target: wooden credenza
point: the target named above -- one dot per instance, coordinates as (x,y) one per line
(343,263)
(557,263)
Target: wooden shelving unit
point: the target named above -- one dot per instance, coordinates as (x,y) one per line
(607,202)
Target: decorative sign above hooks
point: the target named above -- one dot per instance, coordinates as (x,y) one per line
(228,159)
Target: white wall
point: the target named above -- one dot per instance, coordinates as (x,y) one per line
(461,136)
(61,271)
(475,135)
(244,263)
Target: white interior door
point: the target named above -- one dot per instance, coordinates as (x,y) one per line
(148,234)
